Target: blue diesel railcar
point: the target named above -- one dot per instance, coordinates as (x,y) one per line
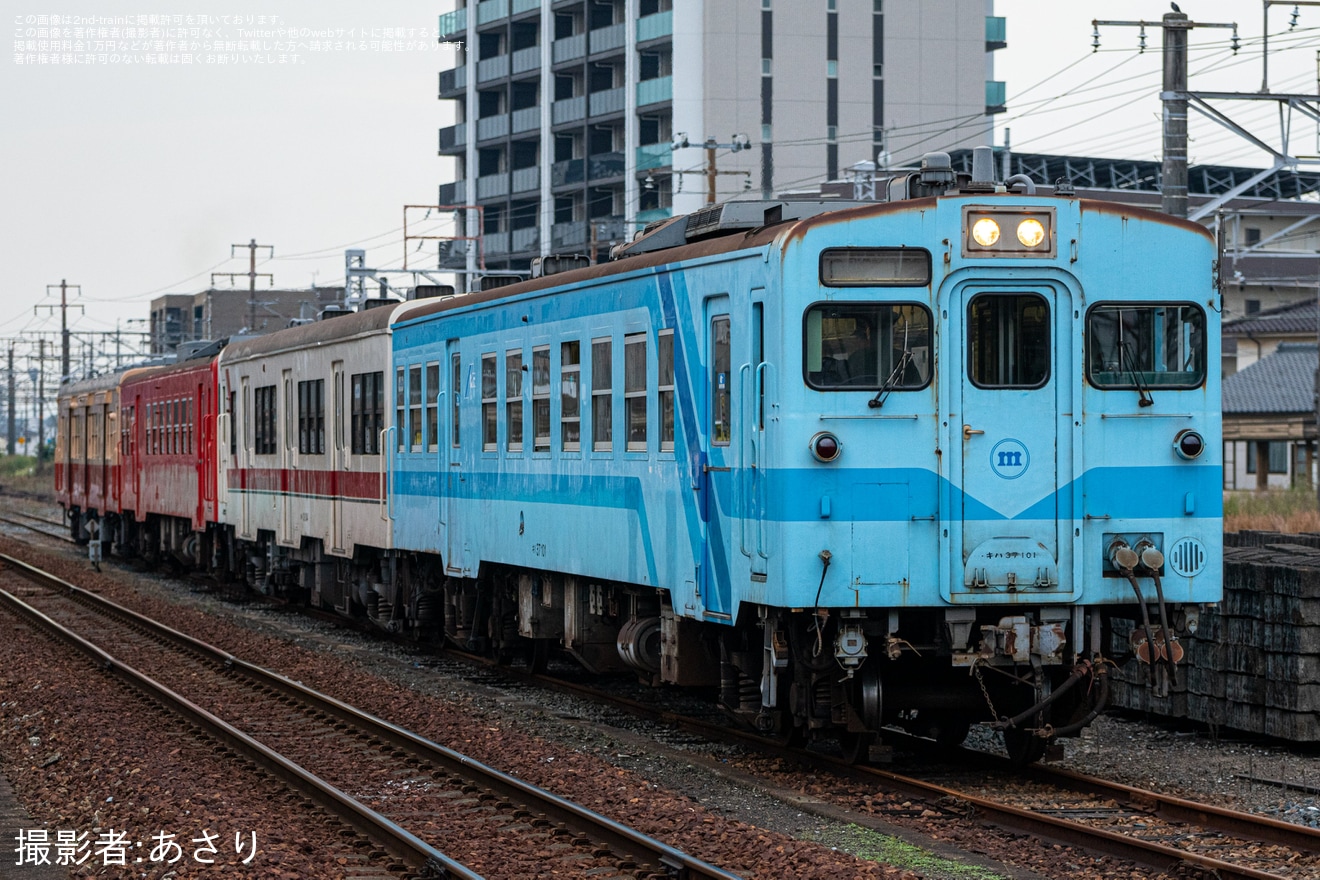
(926,462)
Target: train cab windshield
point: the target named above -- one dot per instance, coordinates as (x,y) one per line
(1146,345)
(856,346)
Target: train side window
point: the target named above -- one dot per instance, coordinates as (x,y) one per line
(415,407)
(1008,340)
(400,411)
(721,428)
(665,381)
(311,417)
(1158,345)
(266,441)
(456,392)
(432,392)
(368,408)
(513,385)
(489,404)
(602,395)
(849,346)
(570,386)
(541,398)
(634,390)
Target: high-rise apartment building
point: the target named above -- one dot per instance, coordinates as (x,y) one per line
(579,121)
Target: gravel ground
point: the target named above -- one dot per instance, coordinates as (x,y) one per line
(655,763)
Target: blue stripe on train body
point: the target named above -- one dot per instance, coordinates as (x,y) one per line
(934,490)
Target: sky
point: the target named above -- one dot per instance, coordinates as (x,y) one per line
(133,178)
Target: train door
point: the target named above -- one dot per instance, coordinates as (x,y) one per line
(288,462)
(752,377)
(203,429)
(1013,433)
(243,424)
(450,454)
(719,458)
(338,457)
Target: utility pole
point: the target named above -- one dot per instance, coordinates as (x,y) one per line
(252,275)
(41,399)
(64,321)
(12,425)
(1173,180)
(737,144)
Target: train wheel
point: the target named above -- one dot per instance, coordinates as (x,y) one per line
(856,747)
(538,654)
(1023,746)
(949,729)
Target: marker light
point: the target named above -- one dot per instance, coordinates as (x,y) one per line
(825,446)
(985,232)
(1030,232)
(1188,444)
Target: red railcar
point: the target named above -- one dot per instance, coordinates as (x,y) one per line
(88,460)
(169,485)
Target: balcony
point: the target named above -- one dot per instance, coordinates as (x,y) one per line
(607,38)
(492,186)
(490,10)
(453,138)
(492,68)
(654,156)
(996,33)
(568,172)
(608,101)
(526,119)
(655,91)
(521,6)
(568,237)
(495,243)
(570,110)
(525,239)
(604,165)
(492,127)
(569,48)
(526,179)
(654,214)
(453,80)
(453,24)
(653,27)
(527,59)
(995,96)
(453,193)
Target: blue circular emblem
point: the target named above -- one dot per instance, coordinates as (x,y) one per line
(1009,458)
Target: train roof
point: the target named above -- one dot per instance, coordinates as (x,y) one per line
(357,324)
(103,382)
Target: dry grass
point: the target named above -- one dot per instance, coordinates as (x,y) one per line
(18,476)
(1291,511)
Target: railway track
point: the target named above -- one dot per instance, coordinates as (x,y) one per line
(378,778)
(1149,828)
(39,524)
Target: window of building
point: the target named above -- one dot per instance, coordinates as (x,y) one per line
(1008,340)
(832,69)
(602,396)
(415,406)
(432,403)
(489,402)
(1252,306)
(1278,457)
(721,410)
(311,417)
(455,387)
(541,398)
(264,420)
(1253,235)
(368,408)
(665,371)
(570,420)
(513,402)
(765,67)
(634,390)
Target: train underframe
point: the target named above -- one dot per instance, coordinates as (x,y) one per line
(793,674)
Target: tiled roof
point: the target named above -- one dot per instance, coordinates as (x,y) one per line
(1283,382)
(1294,318)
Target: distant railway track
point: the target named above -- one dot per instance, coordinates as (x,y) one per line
(49,528)
(287,729)
(1149,828)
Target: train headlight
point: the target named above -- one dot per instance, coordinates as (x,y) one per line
(826,447)
(1188,444)
(1031,232)
(985,232)
(1008,231)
